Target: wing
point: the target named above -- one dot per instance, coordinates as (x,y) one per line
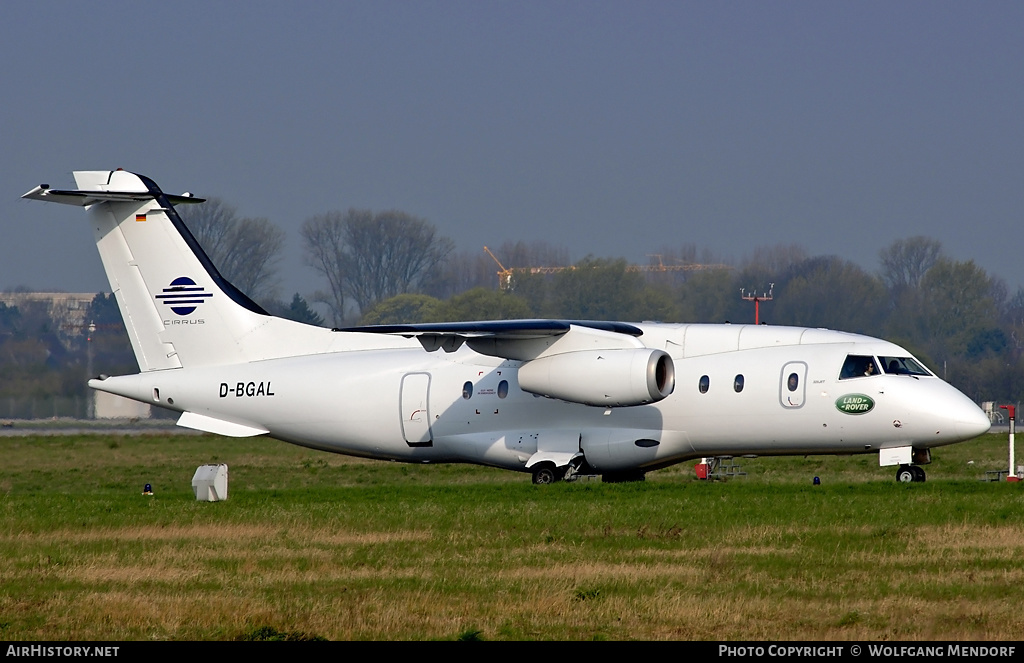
(522,340)
(594,363)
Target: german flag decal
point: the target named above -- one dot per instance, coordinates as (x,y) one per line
(140,217)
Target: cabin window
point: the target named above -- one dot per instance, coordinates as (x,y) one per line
(792,382)
(903,366)
(737,383)
(859,366)
(467,390)
(503,389)
(704,383)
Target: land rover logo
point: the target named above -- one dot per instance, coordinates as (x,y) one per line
(854,404)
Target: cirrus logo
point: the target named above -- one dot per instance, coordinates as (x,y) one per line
(854,404)
(183,295)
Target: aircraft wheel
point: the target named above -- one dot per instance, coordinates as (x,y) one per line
(906,474)
(919,475)
(544,475)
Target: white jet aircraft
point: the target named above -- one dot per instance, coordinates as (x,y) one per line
(550,397)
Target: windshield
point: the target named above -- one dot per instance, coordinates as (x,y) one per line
(903,366)
(858,366)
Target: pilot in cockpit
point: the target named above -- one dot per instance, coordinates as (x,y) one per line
(857,366)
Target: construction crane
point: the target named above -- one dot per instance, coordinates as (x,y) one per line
(662,267)
(505,273)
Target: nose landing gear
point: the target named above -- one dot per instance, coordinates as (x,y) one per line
(910,474)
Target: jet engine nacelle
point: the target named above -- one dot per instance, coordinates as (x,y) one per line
(602,377)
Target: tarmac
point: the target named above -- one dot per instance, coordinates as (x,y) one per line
(28,427)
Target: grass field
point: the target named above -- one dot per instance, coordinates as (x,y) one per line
(317,545)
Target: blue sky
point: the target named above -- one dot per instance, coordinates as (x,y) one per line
(613,128)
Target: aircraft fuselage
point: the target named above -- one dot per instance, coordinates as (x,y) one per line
(409,405)
(553,397)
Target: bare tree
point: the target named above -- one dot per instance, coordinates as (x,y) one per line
(369,256)
(323,241)
(770,261)
(210,223)
(244,250)
(905,261)
(461,271)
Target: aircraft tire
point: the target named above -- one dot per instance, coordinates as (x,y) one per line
(906,474)
(544,475)
(919,475)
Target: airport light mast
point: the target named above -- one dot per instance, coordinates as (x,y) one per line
(1011,474)
(757,299)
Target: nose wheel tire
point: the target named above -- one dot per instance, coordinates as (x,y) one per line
(910,474)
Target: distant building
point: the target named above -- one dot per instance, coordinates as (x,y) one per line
(66,309)
(112,406)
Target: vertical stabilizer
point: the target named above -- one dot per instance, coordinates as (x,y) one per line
(178,309)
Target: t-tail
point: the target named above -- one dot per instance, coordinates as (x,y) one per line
(178,309)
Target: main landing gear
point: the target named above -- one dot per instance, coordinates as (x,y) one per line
(547,473)
(910,474)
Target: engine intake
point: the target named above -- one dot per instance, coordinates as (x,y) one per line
(602,377)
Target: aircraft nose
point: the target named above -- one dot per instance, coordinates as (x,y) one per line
(972,422)
(941,412)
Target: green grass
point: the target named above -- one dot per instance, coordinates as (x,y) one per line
(313,545)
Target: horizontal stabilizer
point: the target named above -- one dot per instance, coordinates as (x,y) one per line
(86,198)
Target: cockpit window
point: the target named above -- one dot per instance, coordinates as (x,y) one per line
(902,366)
(858,366)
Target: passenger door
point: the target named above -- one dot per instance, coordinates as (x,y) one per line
(415,414)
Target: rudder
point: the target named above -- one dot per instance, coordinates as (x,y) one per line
(178,309)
